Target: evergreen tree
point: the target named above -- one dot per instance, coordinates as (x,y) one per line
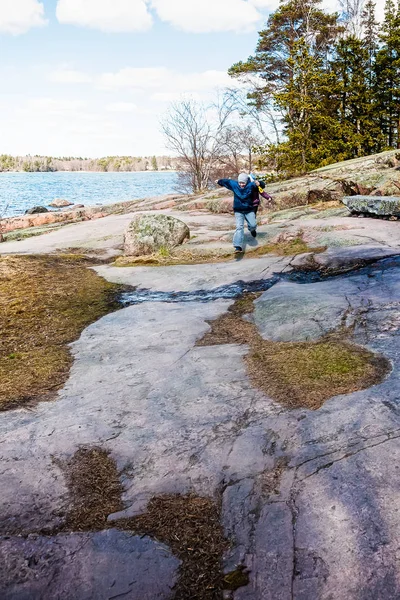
(305,101)
(293,21)
(338,94)
(291,58)
(370,38)
(359,127)
(387,72)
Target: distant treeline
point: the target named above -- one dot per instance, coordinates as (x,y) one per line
(43,164)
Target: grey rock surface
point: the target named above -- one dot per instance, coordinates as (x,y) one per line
(309,498)
(295,313)
(376,205)
(289,313)
(86,566)
(188,278)
(148,234)
(337,260)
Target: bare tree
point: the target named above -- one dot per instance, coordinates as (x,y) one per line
(237,147)
(195,132)
(352,11)
(265,121)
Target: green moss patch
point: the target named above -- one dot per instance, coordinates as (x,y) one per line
(45,303)
(301,374)
(236,579)
(174,257)
(309,373)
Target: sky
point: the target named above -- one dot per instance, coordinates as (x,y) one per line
(94,78)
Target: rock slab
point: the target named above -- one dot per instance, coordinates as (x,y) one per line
(384,206)
(150,233)
(84,566)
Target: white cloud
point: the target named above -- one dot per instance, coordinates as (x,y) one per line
(195,16)
(75,127)
(53,106)
(69,76)
(106,15)
(122,107)
(139,78)
(201,16)
(265,4)
(18,16)
(169,97)
(165,84)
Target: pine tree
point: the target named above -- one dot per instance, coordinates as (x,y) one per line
(154,164)
(293,21)
(387,72)
(370,38)
(291,58)
(306,102)
(359,128)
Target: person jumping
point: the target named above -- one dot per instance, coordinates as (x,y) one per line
(243,194)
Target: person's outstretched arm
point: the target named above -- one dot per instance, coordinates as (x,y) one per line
(226,183)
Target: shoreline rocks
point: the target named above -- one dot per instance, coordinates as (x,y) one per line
(60,203)
(35,210)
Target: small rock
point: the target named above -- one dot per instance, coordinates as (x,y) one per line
(60,203)
(35,210)
(150,233)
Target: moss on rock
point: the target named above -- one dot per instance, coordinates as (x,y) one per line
(301,374)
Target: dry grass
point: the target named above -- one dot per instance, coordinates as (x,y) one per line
(176,257)
(189,525)
(230,328)
(322,206)
(302,374)
(309,373)
(288,248)
(45,303)
(94,487)
(188,257)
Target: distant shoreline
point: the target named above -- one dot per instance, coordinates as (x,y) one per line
(92,172)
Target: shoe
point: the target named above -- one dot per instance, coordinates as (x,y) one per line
(238,250)
(254,233)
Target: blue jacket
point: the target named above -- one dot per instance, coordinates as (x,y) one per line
(242,197)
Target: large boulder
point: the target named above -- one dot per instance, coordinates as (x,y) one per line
(150,233)
(60,203)
(36,210)
(383,206)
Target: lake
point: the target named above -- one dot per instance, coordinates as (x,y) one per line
(21,191)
